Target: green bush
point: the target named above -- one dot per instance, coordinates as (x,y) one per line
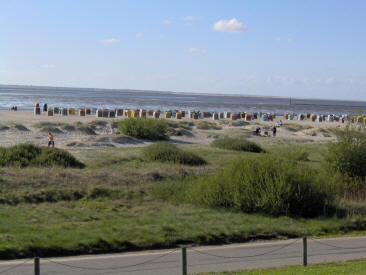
(167,152)
(348,155)
(144,128)
(237,144)
(261,184)
(24,155)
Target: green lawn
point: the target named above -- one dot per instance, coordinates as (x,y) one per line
(349,267)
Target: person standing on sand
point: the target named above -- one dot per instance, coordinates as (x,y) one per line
(274,130)
(50,140)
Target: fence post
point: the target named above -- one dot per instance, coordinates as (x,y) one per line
(36,266)
(184,260)
(305,251)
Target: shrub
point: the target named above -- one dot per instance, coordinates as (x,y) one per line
(167,152)
(348,155)
(206,125)
(237,145)
(144,128)
(256,184)
(30,155)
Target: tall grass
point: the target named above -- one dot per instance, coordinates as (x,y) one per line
(23,155)
(237,144)
(144,128)
(167,152)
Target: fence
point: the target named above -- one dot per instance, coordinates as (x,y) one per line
(185,249)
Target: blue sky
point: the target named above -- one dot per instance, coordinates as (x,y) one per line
(279,48)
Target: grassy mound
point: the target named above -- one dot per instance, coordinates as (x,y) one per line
(20,127)
(84,128)
(261,184)
(207,125)
(24,155)
(167,152)
(237,145)
(144,128)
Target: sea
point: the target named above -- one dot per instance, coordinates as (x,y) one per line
(24,97)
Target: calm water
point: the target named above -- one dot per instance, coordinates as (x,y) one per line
(26,96)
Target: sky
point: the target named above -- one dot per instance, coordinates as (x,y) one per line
(310,49)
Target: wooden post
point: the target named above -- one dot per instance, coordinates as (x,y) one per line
(184,260)
(305,251)
(36,266)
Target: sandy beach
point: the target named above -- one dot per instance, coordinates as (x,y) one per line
(23,126)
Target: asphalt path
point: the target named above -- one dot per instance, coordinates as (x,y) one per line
(203,258)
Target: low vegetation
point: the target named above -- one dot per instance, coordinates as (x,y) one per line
(237,144)
(24,155)
(144,128)
(296,127)
(207,125)
(20,127)
(167,152)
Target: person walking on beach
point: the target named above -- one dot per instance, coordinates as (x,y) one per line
(274,130)
(50,140)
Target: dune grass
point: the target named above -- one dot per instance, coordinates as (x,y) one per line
(24,155)
(237,144)
(144,128)
(295,127)
(167,152)
(20,127)
(208,125)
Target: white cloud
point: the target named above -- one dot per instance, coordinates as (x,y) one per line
(330,80)
(139,35)
(189,18)
(48,66)
(109,41)
(192,50)
(195,50)
(232,25)
(167,22)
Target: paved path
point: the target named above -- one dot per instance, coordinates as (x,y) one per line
(208,258)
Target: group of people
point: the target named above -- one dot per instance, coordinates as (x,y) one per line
(265,133)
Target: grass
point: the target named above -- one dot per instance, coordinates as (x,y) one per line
(24,155)
(167,152)
(20,127)
(144,128)
(237,144)
(109,206)
(347,267)
(293,127)
(85,128)
(207,125)
(4,127)
(128,223)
